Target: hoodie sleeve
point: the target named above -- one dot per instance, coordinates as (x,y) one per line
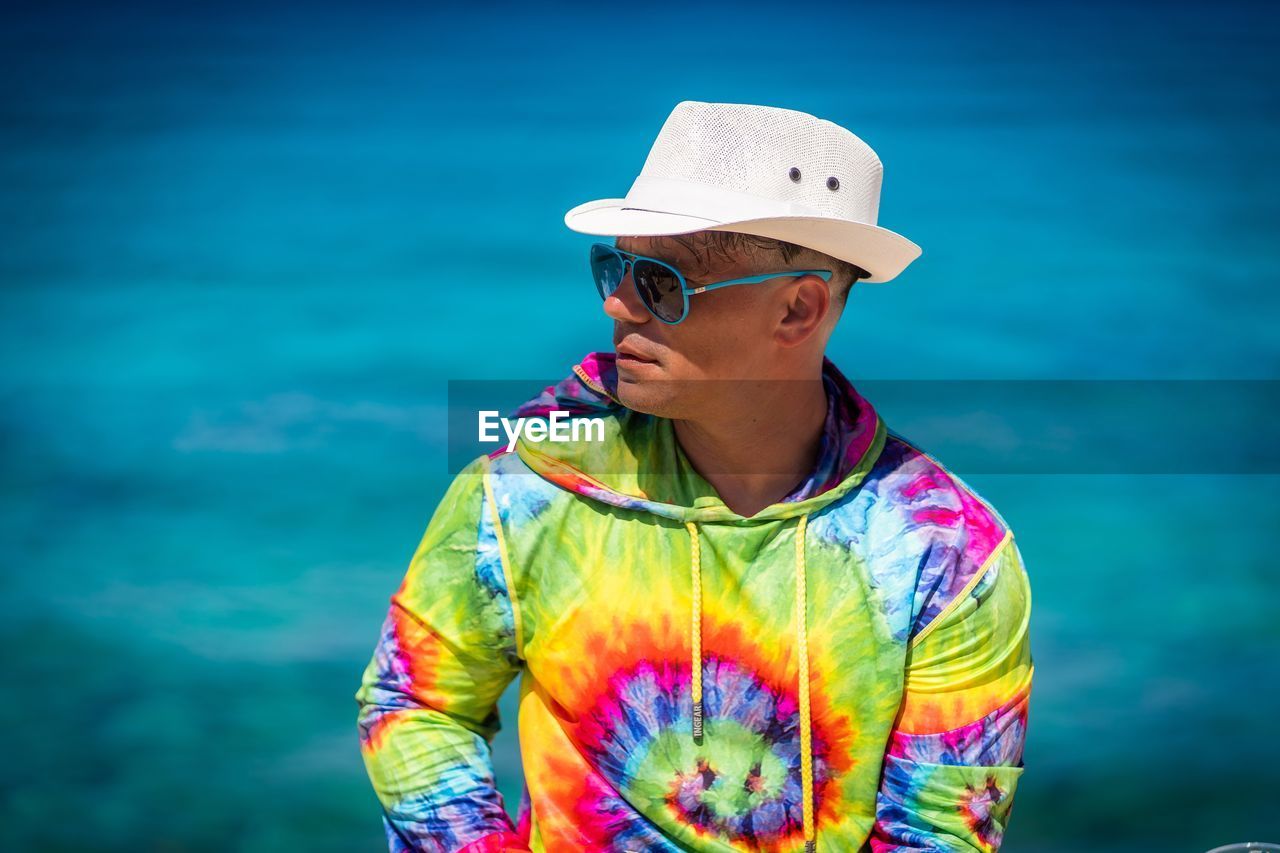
(955,754)
(428,697)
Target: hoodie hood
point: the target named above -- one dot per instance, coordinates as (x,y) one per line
(639,465)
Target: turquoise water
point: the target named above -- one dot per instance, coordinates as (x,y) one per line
(245,251)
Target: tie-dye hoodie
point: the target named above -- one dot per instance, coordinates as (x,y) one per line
(848,669)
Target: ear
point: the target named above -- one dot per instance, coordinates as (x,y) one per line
(807,303)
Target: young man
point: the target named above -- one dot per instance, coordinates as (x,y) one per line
(752,617)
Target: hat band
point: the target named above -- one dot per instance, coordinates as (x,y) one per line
(706,201)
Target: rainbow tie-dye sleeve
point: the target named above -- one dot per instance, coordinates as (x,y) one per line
(955,754)
(428,697)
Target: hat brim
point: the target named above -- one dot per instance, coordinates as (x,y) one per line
(879,251)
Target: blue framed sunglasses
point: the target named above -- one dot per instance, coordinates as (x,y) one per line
(662,288)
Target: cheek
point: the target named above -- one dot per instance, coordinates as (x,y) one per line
(723,333)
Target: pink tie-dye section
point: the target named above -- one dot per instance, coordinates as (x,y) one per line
(947,502)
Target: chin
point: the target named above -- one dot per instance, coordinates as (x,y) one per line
(653,397)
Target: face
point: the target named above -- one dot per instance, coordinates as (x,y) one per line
(735,332)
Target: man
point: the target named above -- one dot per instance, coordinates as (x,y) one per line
(751,618)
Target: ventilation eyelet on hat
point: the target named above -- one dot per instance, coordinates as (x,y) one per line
(833,183)
(794,173)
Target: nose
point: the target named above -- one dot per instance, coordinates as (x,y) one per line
(624,303)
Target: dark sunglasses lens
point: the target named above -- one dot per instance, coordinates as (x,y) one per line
(660,289)
(607,269)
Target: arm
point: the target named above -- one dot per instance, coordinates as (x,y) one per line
(955,754)
(428,697)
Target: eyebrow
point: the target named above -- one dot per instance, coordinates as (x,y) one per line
(681,259)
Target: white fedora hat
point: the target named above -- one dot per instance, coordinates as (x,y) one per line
(767,171)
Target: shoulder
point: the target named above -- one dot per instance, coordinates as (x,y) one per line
(926,537)
(514,490)
(966,535)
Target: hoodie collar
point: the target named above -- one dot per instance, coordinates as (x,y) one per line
(640,465)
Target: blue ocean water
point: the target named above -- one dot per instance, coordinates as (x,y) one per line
(245,249)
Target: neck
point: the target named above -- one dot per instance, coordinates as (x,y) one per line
(761,443)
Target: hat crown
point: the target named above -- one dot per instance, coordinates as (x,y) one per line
(753,149)
(767,171)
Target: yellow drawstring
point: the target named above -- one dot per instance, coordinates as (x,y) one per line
(695,563)
(806,728)
(802,616)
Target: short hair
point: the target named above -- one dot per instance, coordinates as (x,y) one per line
(732,244)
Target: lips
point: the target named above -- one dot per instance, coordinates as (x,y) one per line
(629,352)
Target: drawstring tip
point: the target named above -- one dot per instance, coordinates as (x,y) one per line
(811,847)
(697,721)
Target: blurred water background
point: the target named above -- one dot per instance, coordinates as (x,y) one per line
(246,246)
